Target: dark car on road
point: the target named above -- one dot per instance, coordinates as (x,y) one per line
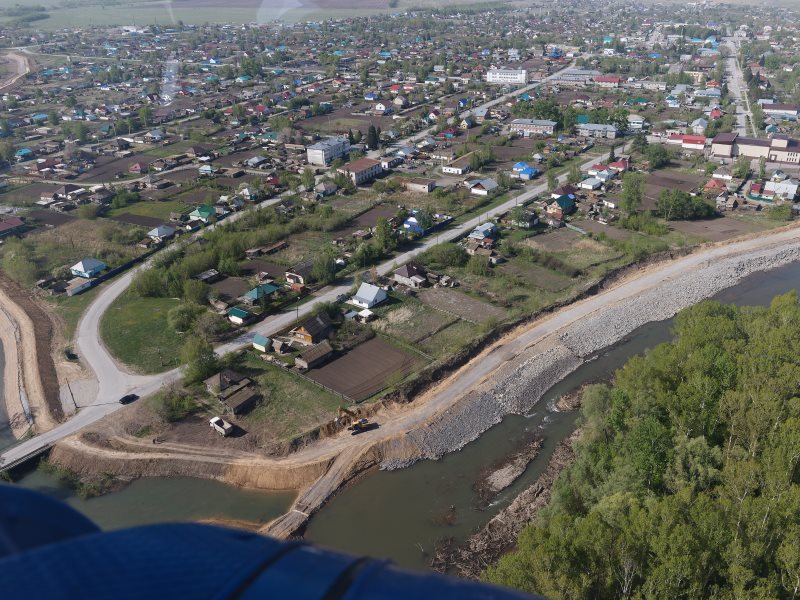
(128,398)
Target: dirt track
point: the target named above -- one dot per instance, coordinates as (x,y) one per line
(321,468)
(22,66)
(34,350)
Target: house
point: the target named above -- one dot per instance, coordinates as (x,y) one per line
(481,187)
(459,166)
(238,316)
(10,225)
(300,274)
(262,343)
(161,233)
(485,234)
(88,268)
(698,126)
(259,293)
(523,218)
(591,183)
(209,276)
(314,356)
(637,123)
(206,214)
(524,171)
(368,296)
(419,185)
(411,275)
(313,330)
(326,188)
(362,170)
(234,390)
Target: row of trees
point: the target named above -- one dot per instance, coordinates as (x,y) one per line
(685,482)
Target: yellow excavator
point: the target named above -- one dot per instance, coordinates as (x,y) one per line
(356,425)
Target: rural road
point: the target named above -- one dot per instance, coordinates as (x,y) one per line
(342,452)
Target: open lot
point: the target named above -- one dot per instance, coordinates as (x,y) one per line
(50,217)
(366,369)
(413,321)
(537,276)
(108,167)
(231,287)
(461,305)
(249,268)
(718,229)
(615,233)
(26,195)
(368,219)
(140,220)
(668,180)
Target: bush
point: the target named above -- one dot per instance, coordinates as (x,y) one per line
(479,265)
(173,405)
(782,212)
(444,255)
(182,317)
(88,211)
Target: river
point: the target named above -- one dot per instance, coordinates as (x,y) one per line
(400,514)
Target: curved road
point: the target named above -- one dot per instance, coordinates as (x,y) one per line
(115,381)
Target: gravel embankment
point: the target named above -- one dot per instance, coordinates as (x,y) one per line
(523,382)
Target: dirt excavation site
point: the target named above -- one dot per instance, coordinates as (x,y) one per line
(509,376)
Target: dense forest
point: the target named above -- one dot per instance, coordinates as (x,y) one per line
(685,483)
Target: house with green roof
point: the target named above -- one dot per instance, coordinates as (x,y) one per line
(203,213)
(258,293)
(238,316)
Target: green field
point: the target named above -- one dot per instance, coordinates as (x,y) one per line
(70,308)
(136,332)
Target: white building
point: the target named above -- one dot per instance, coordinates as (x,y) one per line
(508,76)
(324,152)
(529,127)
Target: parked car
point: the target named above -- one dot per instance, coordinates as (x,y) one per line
(128,398)
(221,426)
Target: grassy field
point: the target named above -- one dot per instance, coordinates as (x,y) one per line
(70,308)
(449,340)
(291,405)
(136,331)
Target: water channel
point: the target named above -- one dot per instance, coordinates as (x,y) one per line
(399,514)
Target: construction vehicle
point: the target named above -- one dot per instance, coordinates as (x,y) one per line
(356,425)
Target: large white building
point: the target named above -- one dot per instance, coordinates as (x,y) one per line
(529,127)
(324,152)
(508,76)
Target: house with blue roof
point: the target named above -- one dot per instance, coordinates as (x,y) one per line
(24,154)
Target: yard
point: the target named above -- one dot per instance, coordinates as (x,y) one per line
(156,209)
(460,305)
(413,321)
(136,332)
(290,405)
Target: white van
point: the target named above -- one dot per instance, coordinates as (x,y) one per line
(221,426)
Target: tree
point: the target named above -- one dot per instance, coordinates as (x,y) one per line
(195,291)
(384,235)
(658,156)
(324,268)
(675,205)
(308,179)
(53,118)
(575,174)
(199,360)
(372,138)
(632,192)
(640,143)
(742,168)
(762,168)
(146,115)
(552,180)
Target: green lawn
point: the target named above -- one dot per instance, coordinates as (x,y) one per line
(72,307)
(155,209)
(136,332)
(170,150)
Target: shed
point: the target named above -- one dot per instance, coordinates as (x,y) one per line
(238,316)
(314,356)
(262,343)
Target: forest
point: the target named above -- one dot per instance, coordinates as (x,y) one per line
(685,481)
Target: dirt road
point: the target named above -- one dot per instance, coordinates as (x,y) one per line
(328,464)
(20,68)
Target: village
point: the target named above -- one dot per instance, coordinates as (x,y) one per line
(249,182)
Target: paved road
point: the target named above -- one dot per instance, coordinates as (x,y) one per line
(114,381)
(737,89)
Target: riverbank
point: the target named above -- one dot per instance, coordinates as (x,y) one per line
(24,391)
(509,377)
